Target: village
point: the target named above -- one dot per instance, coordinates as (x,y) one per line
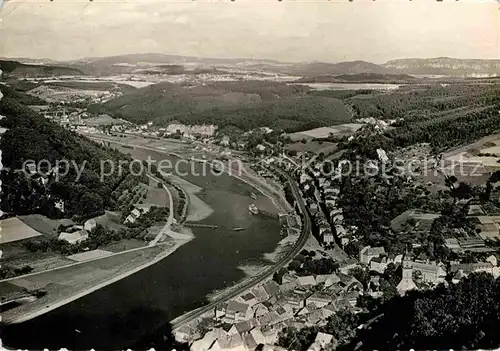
(324,279)
(336,270)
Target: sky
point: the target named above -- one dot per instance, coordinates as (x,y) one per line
(291,30)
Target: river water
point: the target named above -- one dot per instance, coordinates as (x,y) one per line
(122,313)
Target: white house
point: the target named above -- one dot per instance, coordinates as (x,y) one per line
(75,237)
(367,253)
(136,213)
(90,225)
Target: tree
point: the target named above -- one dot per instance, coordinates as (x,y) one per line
(362,275)
(459,316)
(293,339)
(342,325)
(89,203)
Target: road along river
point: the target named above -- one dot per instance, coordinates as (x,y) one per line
(120,314)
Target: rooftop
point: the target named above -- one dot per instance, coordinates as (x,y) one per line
(235,306)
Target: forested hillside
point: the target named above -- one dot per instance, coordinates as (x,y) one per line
(21,70)
(445,117)
(31,137)
(245,105)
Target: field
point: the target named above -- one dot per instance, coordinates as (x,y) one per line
(41,223)
(16,255)
(156,196)
(324,132)
(102,120)
(472,155)
(110,220)
(13,229)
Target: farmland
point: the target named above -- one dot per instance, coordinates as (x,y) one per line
(325,132)
(13,229)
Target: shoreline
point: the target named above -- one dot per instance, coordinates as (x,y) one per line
(105,282)
(197,211)
(204,210)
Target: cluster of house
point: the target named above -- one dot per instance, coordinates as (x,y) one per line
(74,234)
(331,221)
(417,271)
(460,270)
(258,315)
(456,239)
(137,212)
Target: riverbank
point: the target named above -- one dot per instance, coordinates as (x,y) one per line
(129,311)
(71,283)
(197,209)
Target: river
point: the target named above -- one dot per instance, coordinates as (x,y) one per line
(122,313)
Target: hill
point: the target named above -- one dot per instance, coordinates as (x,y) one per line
(349,67)
(155,58)
(176,64)
(20,70)
(32,137)
(245,105)
(359,78)
(445,66)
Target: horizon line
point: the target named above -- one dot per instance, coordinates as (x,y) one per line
(242,58)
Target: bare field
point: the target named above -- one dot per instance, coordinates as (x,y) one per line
(13,229)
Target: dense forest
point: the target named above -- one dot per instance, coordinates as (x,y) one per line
(443,116)
(461,316)
(18,69)
(440,133)
(243,105)
(423,101)
(31,137)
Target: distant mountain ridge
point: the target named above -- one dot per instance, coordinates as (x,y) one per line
(426,66)
(445,66)
(128,63)
(358,78)
(21,70)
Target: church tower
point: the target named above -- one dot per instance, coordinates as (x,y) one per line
(406,282)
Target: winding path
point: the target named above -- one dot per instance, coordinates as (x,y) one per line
(170,219)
